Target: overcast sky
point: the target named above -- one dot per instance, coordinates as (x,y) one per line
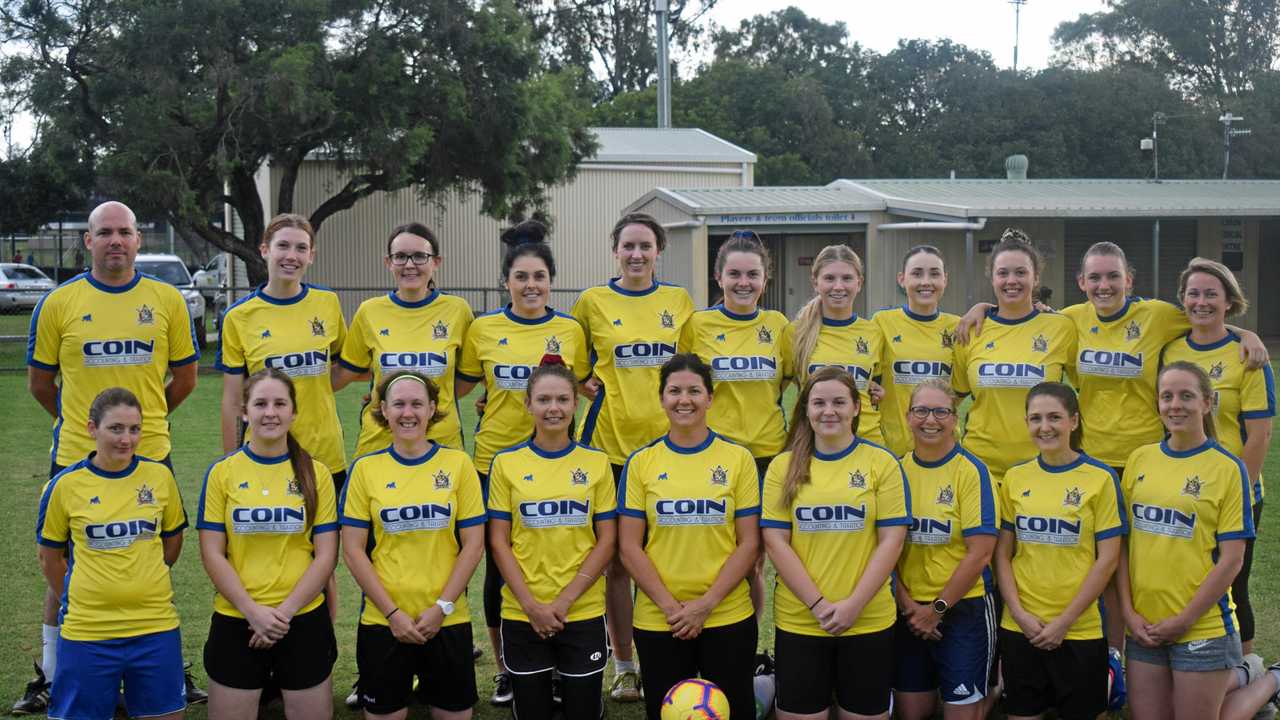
(979,24)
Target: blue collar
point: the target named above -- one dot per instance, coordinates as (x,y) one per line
(711,435)
(1080,459)
(1230,337)
(526,321)
(414,461)
(955,449)
(839,323)
(262,293)
(918,317)
(616,287)
(1164,447)
(264,459)
(735,316)
(993,314)
(818,455)
(552,454)
(1116,315)
(111,474)
(430,298)
(137,277)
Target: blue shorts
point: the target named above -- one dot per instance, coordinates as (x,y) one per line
(86,683)
(1218,653)
(959,664)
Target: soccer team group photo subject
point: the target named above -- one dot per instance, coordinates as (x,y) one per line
(1076,539)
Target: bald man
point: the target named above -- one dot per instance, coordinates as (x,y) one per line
(109,327)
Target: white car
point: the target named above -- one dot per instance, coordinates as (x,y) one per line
(22,286)
(172,270)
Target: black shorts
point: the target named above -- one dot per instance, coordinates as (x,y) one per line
(857,670)
(445,668)
(55,468)
(725,655)
(580,649)
(302,659)
(1071,678)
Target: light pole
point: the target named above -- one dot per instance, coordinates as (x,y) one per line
(1017,28)
(1227,133)
(661,9)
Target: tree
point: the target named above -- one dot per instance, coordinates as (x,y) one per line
(180,101)
(1213,48)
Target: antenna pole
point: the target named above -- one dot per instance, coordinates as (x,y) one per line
(1017,28)
(660,10)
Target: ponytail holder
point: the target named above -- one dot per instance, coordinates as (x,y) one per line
(551,359)
(408,376)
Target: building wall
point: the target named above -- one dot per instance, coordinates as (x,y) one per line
(351,244)
(1209,244)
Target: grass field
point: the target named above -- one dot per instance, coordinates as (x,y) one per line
(197,443)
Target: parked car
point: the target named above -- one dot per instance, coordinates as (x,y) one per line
(22,286)
(171,269)
(211,281)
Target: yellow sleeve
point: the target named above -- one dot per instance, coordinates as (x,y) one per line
(230,345)
(52,528)
(471,509)
(1070,341)
(606,500)
(1108,522)
(353,506)
(182,346)
(1235,510)
(774,513)
(688,336)
(1170,320)
(44,338)
(335,347)
(1258,394)
(978,512)
(746,488)
(357,355)
(211,513)
(326,519)
(499,501)
(581,360)
(582,313)
(785,347)
(893,495)
(1006,504)
(631,496)
(174,519)
(469,366)
(960,371)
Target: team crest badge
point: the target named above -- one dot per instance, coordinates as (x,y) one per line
(946,496)
(719,476)
(441,480)
(1215,372)
(948,338)
(317,327)
(764,336)
(579,477)
(1073,499)
(145,496)
(1192,487)
(294,488)
(1132,331)
(146,316)
(857,480)
(668,322)
(553,346)
(440,331)
(862,347)
(1040,344)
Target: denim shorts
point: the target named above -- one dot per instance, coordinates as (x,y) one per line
(1207,655)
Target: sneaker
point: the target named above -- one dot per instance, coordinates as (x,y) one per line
(626,687)
(195,695)
(353,700)
(1253,667)
(501,690)
(476,653)
(35,699)
(1275,699)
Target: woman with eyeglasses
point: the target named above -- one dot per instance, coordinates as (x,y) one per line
(944,640)
(414,327)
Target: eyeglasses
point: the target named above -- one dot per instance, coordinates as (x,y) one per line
(418,258)
(920,412)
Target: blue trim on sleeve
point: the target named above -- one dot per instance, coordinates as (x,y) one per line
(185,361)
(176,531)
(468,378)
(893,522)
(500,515)
(987,500)
(1006,525)
(473,521)
(593,412)
(1116,531)
(1239,535)
(1246,491)
(352,522)
(776,524)
(50,543)
(32,332)
(980,530)
(352,367)
(216,527)
(217,365)
(746,512)
(628,512)
(609,515)
(41,366)
(324,528)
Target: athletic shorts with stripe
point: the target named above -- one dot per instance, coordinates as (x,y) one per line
(959,664)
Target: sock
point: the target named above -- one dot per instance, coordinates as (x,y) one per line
(48,650)
(621,666)
(1275,673)
(1242,676)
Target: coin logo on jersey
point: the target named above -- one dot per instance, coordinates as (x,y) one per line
(861,345)
(1073,499)
(578,477)
(441,480)
(1132,331)
(668,322)
(146,316)
(102,353)
(1192,487)
(439,331)
(946,496)
(553,346)
(719,476)
(317,327)
(764,336)
(857,480)
(1040,344)
(145,496)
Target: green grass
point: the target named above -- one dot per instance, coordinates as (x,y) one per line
(197,443)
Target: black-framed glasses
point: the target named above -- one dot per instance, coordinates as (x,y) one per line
(920,412)
(418,258)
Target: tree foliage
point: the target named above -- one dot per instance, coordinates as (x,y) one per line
(181,101)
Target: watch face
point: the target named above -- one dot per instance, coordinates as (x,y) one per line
(939,606)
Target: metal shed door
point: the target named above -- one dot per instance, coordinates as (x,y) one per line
(1177,247)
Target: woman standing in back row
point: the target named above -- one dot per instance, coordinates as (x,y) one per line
(632,324)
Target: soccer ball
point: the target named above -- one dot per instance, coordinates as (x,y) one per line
(695,699)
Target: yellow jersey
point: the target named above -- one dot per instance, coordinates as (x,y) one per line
(502,349)
(690,498)
(854,344)
(1000,366)
(1182,505)
(631,334)
(1239,393)
(833,522)
(413,508)
(1116,363)
(553,501)
(915,348)
(257,503)
(111,524)
(389,335)
(952,499)
(1058,513)
(302,337)
(751,363)
(99,336)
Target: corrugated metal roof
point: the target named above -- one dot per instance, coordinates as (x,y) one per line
(1073,198)
(652,145)
(704,201)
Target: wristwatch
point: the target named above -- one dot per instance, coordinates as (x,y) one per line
(940,606)
(445,606)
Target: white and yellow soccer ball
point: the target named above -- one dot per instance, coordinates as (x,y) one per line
(695,699)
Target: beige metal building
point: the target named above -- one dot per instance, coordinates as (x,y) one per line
(1160,226)
(629,163)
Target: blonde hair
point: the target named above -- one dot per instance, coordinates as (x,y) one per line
(1237,304)
(934,383)
(800,439)
(1106,249)
(1204,384)
(808,322)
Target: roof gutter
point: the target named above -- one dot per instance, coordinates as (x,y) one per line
(980,224)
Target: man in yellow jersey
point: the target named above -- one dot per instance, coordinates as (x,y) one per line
(110,326)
